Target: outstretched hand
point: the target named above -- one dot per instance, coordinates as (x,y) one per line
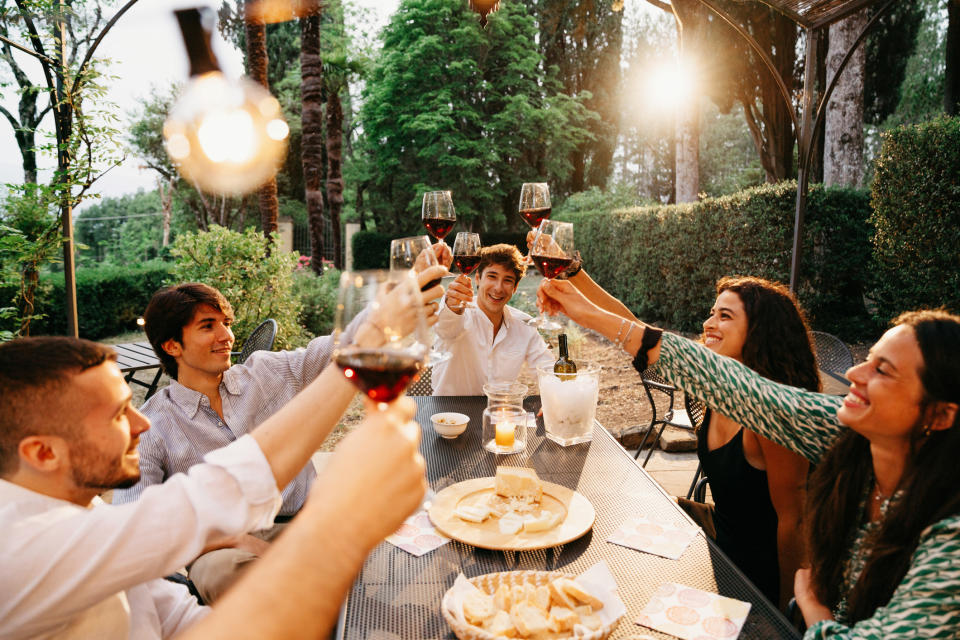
(559,296)
(459,293)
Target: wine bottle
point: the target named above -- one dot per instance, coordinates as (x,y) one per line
(564,365)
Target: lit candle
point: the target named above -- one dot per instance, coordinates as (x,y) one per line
(504,434)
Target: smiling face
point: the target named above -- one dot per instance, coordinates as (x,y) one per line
(496,284)
(103,453)
(886,394)
(725,329)
(205,349)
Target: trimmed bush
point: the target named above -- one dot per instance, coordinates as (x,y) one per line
(663,261)
(371,250)
(109,299)
(318,294)
(916,202)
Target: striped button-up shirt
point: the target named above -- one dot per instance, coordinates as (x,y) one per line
(184,427)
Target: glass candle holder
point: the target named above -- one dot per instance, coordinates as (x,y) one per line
(504,430)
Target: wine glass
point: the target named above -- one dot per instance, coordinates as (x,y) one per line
(466,254)
(534,205)
(416,253)
(552,252)
(438,214)
(395,308)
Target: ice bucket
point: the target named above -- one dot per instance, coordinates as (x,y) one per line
(569,402)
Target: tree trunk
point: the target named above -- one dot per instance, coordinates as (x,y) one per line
(335,169)
(951,85)
(166,204)
(843,137)
(311,143)
(257,70)
(691,17)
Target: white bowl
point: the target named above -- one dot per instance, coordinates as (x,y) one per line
(449,424)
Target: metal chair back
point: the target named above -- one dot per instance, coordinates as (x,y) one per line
(424,384)
(833,354)
(697,411)
(260,339)
(655,385)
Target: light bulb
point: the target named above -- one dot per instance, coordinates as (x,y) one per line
(226,136)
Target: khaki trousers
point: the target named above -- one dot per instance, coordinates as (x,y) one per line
(214,572)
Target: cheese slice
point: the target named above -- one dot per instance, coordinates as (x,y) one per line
(518,482)
(472,513)
(511,524)
(545,522)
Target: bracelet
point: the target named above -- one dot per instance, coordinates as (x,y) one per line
(651,336)
(574,268)
(616,340)
(623,343)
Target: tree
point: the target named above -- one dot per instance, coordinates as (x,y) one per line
(951,88)
(256,32)
(451,106)
(311,96)
(335,83)
(843,136)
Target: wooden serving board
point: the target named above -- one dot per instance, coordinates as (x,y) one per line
(577,513)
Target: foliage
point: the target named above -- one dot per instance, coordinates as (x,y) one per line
(255,279)
(318,294)
(663,261)
(449,105)
(916,201)
(619,196)
(894,33)
(371,250)
(519,240)
(109,299)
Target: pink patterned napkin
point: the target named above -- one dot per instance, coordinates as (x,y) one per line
(665,540)
(692,614)
(417,536)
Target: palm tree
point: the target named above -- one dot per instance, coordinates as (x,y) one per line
(311,117)
(257,70)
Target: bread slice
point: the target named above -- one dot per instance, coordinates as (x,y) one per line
(529,620)
(580,594)
(501,625)
(478,607)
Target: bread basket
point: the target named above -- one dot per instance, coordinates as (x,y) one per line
(489,583)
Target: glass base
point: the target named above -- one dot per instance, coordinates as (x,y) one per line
(493,447)
(544,323)
(566,442)
(435,357)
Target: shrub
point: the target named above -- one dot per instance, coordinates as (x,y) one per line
(318,295)
(663,261)
(258,285)
(916,202)
(490,238)
(371,250)
(109,299)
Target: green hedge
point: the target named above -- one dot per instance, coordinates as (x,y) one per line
(916,202)
(109,299)
(371,250)
(663,261)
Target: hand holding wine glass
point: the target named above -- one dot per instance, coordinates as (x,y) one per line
(466,258)
(383,368)
(438,214)
(552,252)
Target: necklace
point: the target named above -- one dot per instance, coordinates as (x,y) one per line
(878,495)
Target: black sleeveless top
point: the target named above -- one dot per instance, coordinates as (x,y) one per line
(744,516)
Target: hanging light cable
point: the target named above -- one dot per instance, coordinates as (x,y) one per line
(226,136)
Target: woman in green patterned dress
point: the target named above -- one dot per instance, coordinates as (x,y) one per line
(883,508)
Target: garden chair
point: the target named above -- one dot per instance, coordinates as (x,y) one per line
(260,339)
(696,412)
(833,354)
(654,384)
(424,384)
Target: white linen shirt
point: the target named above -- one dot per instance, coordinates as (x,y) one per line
(96,572)
(478,357)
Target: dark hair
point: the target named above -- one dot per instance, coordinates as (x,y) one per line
(927,490)
(171,309)
(34,376)
(777,344)
(505,255)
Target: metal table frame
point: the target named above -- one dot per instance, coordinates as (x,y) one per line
(397,595)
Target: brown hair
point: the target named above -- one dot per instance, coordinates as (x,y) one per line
(505,255)
(171,309)
(35,374)
(928,486)
(777,345)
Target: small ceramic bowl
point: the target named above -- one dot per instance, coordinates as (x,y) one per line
(449,424)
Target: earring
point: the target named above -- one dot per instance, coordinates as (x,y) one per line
(926,430)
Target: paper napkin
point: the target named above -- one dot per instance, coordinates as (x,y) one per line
(417,535)
(693,614)
(665,540)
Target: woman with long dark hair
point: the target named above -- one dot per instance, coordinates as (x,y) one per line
(758,486)
(883,509)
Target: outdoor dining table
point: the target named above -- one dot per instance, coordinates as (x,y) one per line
(138,356)
(397,595)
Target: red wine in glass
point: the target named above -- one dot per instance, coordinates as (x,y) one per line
(382,375)
(466,263)
(534,216)
(439,227)
(551,266)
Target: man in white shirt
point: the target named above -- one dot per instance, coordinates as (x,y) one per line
(490,341)
(74,567)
